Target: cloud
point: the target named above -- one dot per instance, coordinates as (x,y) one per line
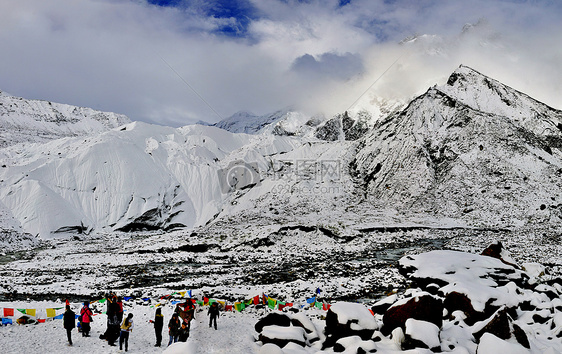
(262,55)
(329,65)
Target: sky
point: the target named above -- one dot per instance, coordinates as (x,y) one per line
(176,62)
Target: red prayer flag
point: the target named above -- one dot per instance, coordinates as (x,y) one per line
(290,304)
(67,302)
(228,308)
(264,300)
(326,307)
(206,300)
(41,320)
(8,312)
(256,300)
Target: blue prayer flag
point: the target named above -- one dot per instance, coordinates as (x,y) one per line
(311,300)
(6,321)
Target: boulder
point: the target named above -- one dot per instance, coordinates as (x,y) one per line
(281,336)
(274,318)
(423,307)
(456,301)
(498,325)
(347,320)
(421,334)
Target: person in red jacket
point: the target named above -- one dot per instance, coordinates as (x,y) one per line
(86,317)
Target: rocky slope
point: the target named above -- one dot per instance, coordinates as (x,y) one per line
(35,121)
(473,149)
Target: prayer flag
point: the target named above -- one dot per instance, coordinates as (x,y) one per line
(249,302)
(223,303)
(174,302)
(256,300)
(182,293)
(200,303)
(211,301)
(228,308)
(51,313)
(206,300)
(271,303)
(41,320)
(127,298)
(8,312)
(280,305)
(21,310)
(145,299)
(67,302)
(6,321)
(318,291)
(189,293)
(59,317)
(265,299)
(318,305)
(326,307)
(289,304)
(239,306)
(102,301)
(311,300)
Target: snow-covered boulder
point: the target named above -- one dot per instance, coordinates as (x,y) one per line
(422,306)
(281,336)
(421,334)
(346,319)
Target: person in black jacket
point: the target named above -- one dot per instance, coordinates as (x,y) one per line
(69,319)
(174,328)
(214,312)
(184,331)
(158,325)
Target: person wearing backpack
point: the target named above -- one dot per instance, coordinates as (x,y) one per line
(126,328)
(68,321)
(85,319)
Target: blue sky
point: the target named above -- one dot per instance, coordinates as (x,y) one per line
(264,55)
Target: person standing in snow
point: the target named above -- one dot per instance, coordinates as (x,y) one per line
(214,312)
(119,308)
(126,328)
(85,319)
(174,328)
(68,322)
(184,331)
(158,325)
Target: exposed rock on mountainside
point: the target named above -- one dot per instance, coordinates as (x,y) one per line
(34,121)
(473,149)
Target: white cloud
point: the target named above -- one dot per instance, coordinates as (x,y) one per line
(108,54)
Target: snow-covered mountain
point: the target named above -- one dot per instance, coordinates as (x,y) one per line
(134,177)
(472,149)
(471,152)
(27,121)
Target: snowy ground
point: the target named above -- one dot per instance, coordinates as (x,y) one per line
(234,335)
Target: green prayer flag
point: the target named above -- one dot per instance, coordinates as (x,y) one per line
(21,310)
(249,302)
(271,303)
(318,305)
(200,303)
(102,301)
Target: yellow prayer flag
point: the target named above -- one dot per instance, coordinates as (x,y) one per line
(30,312)
(51,313)
(223,303)
(182,293)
